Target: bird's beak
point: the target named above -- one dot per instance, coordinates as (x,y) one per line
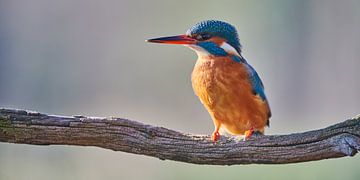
(180,39)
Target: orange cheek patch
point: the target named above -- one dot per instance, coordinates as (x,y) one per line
(217,40)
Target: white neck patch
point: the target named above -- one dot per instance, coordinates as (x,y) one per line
(229,49)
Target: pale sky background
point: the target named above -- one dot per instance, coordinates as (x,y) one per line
(90,57)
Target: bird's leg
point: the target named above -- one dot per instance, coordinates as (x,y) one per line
(216,135)
(248,133)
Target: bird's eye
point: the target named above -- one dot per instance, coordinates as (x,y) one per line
(203,37)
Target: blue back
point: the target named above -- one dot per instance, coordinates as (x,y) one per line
(256,82)
(254,78)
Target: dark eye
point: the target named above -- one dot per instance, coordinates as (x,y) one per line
(202,37)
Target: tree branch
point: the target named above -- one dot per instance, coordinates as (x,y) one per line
(19,126)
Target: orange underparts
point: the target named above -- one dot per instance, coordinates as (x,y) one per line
(225,89)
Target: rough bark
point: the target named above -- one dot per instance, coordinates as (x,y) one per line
(26,127)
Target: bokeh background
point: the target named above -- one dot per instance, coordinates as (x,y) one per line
(89,57)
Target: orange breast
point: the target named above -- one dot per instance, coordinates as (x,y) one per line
(224,88)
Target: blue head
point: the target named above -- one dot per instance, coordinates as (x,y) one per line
(213,28)
(211,36)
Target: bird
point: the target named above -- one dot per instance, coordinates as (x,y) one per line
(226,84)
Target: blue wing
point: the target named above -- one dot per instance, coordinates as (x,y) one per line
(258,87)
(256,83)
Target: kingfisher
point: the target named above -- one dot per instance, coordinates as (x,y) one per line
(226,84)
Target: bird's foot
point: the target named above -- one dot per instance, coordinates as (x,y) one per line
(248,134)
(215,136)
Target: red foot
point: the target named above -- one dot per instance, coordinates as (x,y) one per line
(215,136)
(248,134)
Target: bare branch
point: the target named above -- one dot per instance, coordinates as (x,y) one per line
(18,126)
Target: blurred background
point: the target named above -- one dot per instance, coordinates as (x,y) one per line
(89,57)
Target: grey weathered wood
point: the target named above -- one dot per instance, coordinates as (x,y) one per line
(19,126)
